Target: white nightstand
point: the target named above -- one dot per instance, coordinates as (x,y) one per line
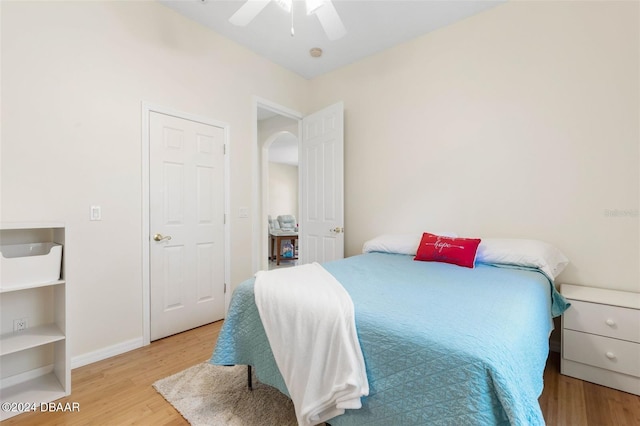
(601,337)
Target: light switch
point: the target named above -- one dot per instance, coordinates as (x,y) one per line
(243,212)
(96,213)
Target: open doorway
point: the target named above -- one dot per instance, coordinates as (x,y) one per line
(277,131)
(283,201)
(320,182)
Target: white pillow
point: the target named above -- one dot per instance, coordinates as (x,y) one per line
(398,243)
(529,253)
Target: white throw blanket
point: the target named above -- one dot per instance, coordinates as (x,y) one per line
(309,320)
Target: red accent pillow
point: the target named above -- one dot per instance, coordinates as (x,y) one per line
(458,251)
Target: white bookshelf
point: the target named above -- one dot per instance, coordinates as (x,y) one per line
(35,362)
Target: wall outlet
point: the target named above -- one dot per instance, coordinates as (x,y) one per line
(20,324)
(96,213)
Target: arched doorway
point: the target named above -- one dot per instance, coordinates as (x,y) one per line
(277,130)
(280,182)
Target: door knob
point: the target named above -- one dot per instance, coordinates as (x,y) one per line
(160,237)
(337,230)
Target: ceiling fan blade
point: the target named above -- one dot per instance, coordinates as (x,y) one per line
(248,11)
(330,21)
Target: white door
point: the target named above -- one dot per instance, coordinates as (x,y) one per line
(186,204)
(322,182)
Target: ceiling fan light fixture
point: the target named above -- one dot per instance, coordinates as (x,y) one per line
(322,9)
(285,4)
(313,6)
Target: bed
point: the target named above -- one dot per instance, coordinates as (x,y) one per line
(442,344)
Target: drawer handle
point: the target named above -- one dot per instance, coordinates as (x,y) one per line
(610,322)
(610,355)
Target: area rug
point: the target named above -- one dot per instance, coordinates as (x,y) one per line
(214,395)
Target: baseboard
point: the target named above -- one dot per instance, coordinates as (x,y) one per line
(104,353)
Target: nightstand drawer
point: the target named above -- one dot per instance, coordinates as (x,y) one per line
(603,352)
(604,320)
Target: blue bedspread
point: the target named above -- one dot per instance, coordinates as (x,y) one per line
(442,344)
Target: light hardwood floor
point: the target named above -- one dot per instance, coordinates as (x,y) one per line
(118,391)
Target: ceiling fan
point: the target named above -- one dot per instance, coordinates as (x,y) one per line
(323,9)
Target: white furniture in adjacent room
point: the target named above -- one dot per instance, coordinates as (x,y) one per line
(34,351)
(601,337)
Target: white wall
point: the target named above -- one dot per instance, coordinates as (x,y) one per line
(522,121)
(283,189)
(74,75)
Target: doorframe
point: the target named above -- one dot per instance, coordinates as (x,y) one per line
(147,108)
(260,247)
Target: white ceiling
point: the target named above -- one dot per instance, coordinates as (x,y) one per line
(284,150)
(372,26)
